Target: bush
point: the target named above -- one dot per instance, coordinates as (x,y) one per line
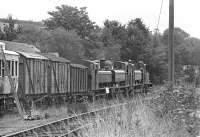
(180,105)
(136,119)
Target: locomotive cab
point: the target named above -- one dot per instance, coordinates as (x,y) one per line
(141,74)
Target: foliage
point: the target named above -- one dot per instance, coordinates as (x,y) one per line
(34,35)
(179,104)
(71,18)
(179,36)
(10,30)
(66,43)
(186,52)
(111,38)
(113,32)
(157,64)
(134,119)
(190,73)
(138,39)
(105,43)
(192,48)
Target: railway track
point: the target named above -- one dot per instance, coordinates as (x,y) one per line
(60,127)
(66,126)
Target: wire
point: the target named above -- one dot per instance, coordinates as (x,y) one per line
(159,17)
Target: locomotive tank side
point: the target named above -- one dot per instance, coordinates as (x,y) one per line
(105,75)
(121,73)
(120,76)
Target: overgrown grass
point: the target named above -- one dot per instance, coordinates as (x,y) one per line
(136,120)
(152,117)
(140,118)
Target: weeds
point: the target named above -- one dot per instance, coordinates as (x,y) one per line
(180,106)
(164,115)
(136,120)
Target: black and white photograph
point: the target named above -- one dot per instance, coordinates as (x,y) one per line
(99,68)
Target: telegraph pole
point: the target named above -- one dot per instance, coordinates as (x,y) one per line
(171,44)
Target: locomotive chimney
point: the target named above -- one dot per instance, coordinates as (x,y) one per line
(3,45)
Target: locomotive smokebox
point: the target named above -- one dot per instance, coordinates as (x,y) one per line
(3,45)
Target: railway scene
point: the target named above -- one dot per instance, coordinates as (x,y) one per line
(88,68)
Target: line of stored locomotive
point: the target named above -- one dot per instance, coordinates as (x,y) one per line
(48,76)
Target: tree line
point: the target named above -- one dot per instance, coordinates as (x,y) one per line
(70,32)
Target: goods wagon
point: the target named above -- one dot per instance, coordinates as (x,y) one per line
(58,75)
(12,59)
(78,78)
(93,68)
(32,74)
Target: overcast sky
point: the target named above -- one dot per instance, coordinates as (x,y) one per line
(186,11)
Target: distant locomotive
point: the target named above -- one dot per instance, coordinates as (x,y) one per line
(46,75)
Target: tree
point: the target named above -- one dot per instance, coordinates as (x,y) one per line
(191,55)
(138,39)
(157,64)
(10,30)
(113,32)
(34,35)
(66,43)
(181,52)
(71,18)
(179,36)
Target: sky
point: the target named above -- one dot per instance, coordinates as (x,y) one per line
(186,11)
